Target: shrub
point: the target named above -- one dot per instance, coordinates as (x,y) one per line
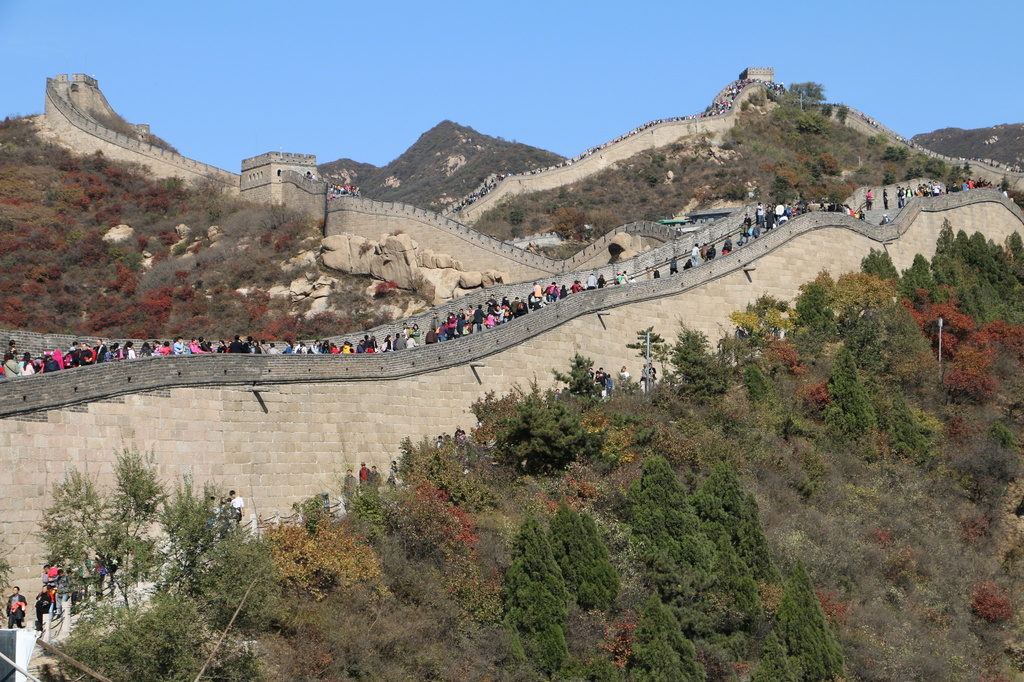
(991,602)
(316,563)
(755,382)
(385,289)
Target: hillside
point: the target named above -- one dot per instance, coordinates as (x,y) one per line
(1002,143)
(445,163)
(92,246)
(831,505)
(777,151)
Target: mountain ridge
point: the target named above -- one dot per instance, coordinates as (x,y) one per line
(445,163)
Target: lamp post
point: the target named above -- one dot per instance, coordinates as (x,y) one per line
(647,367)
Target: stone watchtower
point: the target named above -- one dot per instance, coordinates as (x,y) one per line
(261,175)
(760,73)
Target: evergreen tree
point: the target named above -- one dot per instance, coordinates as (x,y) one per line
(905,437)
(756,383)
(774,665)
(879,264)
(679,557)
(738,599)
(544,436)
(580,379)
(535,599)
(694,373)
(724,510)
(813,650)
(917,277)
(1002,435)
(583,559)
(663,518)
(813,311)
(849,412)
(660,651)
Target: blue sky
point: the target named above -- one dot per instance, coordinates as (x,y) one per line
(224,80)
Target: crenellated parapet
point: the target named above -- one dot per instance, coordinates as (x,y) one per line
(72,107)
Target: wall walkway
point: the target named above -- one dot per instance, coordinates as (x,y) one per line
(280,428)
(73,126)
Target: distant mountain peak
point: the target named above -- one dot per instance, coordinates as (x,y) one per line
(449,160)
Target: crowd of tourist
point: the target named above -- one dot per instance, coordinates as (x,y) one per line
(464,321)
(334,191)
(1012,168)
(721,105)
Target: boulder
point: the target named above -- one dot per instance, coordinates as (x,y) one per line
(183,231)
(620,247)
(470,279)
(491,277)
(439,284)
(426,259)
(443,261)
(310,286)
(278,291)
(336,253)
(118,234)
(303,260)
(214,233)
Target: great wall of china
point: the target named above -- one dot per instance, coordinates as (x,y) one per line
(280,428)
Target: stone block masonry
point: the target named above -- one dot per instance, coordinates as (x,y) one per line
(70,108)
(279,428)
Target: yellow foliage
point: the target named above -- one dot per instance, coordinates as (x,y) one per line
(332,558)
(765,319)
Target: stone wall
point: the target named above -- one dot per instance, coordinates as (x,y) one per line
(985,171)
(70,124)
(476,251)
(278,428)
(656,136)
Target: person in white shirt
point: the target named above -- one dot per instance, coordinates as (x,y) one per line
(237,506)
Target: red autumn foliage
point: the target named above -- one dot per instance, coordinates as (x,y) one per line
(389,288)
(836,609)
(957,327)
(784,352)
(435,524)
(974,528)
(968,378)
(991,602)
(882,538)
(619,638)
(815,395)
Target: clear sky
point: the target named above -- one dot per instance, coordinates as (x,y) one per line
(223,80)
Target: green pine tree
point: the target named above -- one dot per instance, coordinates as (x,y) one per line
(756,383)
(579,380)
(905,437)
(813,649)
(589,577)
(545,436)
(724,510)
(664,520)
(694,373)
(660,651)
(849,412)
(813,310)
(535,599)
(679,557)
(774,665)
(739,603)
(879,263)
(918,276)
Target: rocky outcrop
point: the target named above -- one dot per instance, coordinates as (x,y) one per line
(397,258)
(119,233)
